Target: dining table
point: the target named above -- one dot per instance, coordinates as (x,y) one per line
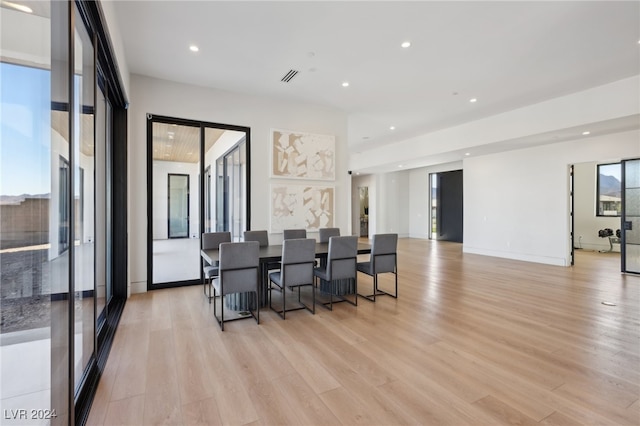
(268,255)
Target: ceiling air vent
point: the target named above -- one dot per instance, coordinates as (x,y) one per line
(289,76)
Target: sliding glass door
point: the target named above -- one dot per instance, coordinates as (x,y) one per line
(55,200)
(631,216)
(184,196)
(232,189)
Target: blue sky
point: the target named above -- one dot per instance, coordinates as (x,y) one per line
(25,130)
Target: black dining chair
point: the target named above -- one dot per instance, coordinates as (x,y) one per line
(342,259)
(296,270)
(211,241)
(383,259)
(238,273)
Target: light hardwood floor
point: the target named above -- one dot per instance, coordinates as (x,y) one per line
(471,340)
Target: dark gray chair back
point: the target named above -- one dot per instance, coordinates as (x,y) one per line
(211,240)
(342,257)
(298,260)
(383,253)
(239,267)
(290,234)
(326,233)
(260,236)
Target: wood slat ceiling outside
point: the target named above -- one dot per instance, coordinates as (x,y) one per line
(60,124)
(181,144)
(170,142)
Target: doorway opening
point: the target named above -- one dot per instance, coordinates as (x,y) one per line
(363,193)
(446,202)
(184,200)
(603,218)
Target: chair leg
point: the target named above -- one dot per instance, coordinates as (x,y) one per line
(371,297)
(284,303)
(221,311)
(382,292)
(257,316)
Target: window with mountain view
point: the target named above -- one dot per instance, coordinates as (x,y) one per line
(609,190)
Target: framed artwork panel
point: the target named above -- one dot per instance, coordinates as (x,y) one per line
(298,155)
(295,206)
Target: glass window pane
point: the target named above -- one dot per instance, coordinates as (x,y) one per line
(34,158)
(101,206)
(609,190)
(83,200)
(176,204)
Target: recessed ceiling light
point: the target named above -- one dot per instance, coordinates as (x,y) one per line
(392,127)
(358,173)
(473,100)
(345,84)
(194,48)
(467,153)
(16,6)
(405,44)
(586,133)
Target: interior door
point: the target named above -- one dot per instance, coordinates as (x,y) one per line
(630,246)
(450,206)
(178,206)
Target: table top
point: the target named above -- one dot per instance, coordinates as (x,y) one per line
(273,253)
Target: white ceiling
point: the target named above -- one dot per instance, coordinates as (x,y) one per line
(505,54)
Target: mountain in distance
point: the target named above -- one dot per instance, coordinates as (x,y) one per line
(610,185)
(17,199)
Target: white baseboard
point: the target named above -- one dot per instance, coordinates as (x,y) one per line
(547,260)
(138,287)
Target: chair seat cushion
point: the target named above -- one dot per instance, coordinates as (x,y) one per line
(210,271)
(365,267)
(321,273)
(276,277)
(215,283)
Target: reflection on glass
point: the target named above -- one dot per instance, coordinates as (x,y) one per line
(178,206)
(101,207)
(232,207)
(632,216)
(83,201)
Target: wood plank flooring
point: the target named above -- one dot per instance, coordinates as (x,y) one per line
(471,340)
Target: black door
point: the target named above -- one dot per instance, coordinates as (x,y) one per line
(450,206)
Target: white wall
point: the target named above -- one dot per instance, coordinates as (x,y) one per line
(154,96)
(116,43)
(516,203)
(161,171)
(586,223)
(388,203)
(392,203)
